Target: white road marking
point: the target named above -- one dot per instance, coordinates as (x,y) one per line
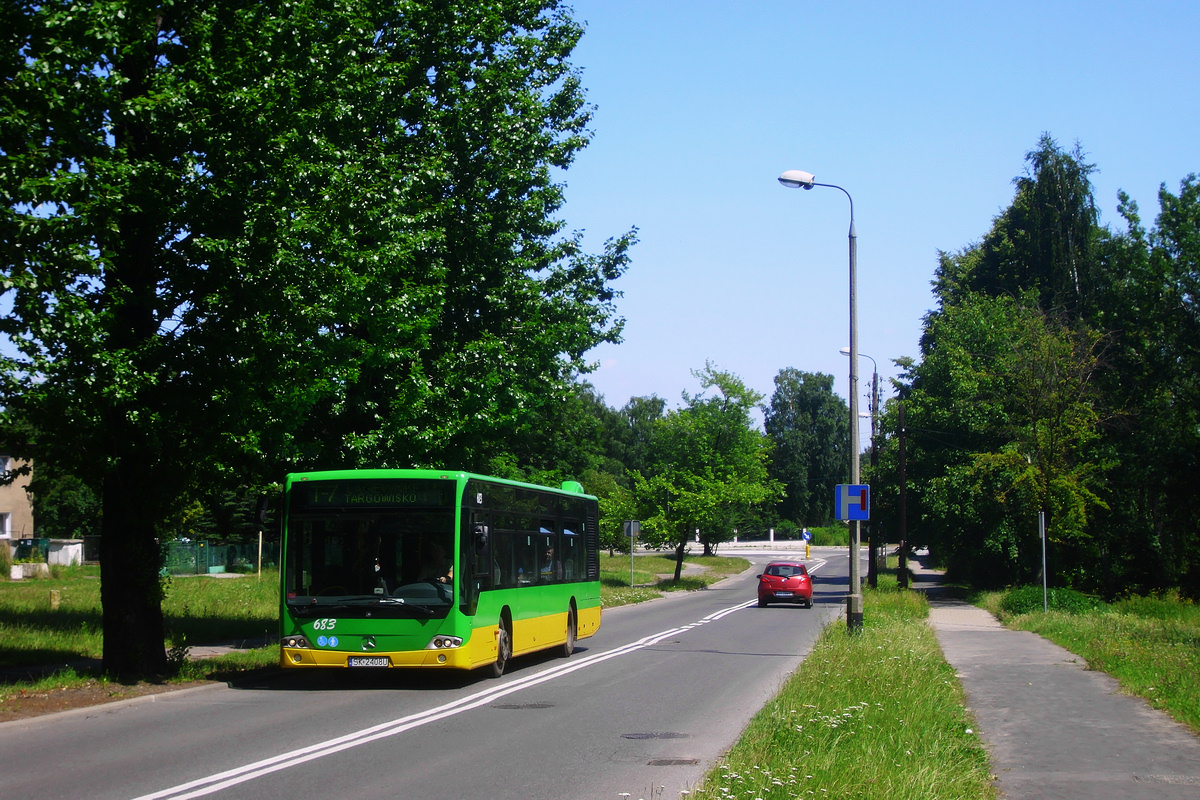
(223,780)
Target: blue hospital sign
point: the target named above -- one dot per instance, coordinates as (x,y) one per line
(852,501)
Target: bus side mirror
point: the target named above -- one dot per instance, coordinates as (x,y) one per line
(481,537)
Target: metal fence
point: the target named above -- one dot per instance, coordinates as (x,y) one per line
(199,558)
(202,557)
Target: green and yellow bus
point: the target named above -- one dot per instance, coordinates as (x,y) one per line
(434,568)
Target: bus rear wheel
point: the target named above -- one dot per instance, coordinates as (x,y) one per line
(503,648)
(572,632)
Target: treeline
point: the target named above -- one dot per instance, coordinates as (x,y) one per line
(704,467)
(1058,374)
(702,471)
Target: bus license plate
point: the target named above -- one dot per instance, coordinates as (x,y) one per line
(368,661)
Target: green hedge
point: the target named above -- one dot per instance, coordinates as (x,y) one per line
(1028,599)
(830,536)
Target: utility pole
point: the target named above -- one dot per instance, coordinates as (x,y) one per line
(903,570)
(874,537)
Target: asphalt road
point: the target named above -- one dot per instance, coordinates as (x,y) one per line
(645,706)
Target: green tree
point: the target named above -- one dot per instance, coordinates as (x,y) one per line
(709,469)
(558,440)
(809,426)
(1060,373)
(1005,411)
(629,435)
(1175,452)
(1046,239)
(1150,385)
(65,507)
(1002,419)
(240,237)
(617,505)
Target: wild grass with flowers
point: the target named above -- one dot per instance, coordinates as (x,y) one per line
(873,714)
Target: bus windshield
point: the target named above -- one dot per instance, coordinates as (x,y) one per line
(371,550)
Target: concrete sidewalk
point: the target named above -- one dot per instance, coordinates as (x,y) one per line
(1053,728)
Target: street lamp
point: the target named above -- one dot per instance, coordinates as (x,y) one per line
(798,179)
(873,562)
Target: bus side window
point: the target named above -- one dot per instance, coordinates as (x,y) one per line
(525,556)
(574,554)
(502,556)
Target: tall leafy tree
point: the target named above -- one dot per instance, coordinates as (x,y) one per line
(1002,421)
(1059,373)
(1046,239)
(1175,252)
(710,467)
(809,426)
(1150,307)
(243,236)
(562,439)
(632,439)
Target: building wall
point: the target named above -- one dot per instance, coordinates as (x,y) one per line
(16,512)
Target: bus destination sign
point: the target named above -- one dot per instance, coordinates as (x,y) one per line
(372,494)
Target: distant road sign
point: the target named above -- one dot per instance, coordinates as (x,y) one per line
(807,535)
(852,501)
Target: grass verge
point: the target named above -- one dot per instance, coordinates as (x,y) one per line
(56,623)
(876,714)
(58,619)
(648,581)
(1151,645)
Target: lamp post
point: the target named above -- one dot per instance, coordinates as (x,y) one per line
(874,544)
(798,179)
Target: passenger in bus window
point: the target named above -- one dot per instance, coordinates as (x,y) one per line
(551,568)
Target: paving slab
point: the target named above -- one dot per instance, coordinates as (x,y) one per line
(1054,728)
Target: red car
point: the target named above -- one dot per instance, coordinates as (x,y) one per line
(785,582)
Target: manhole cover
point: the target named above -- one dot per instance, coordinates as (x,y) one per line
(524,705)
(654,736)
(674,762)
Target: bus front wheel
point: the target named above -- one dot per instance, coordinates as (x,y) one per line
(503,648)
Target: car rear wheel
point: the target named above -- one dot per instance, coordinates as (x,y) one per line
(762,602)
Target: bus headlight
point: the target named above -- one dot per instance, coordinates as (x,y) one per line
(444,643)
(296,642)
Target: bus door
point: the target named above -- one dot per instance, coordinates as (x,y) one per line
(476,555)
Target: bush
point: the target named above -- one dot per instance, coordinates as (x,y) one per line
(1028,599)
(35,557)
(830,536)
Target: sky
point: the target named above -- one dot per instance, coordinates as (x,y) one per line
(922,111)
